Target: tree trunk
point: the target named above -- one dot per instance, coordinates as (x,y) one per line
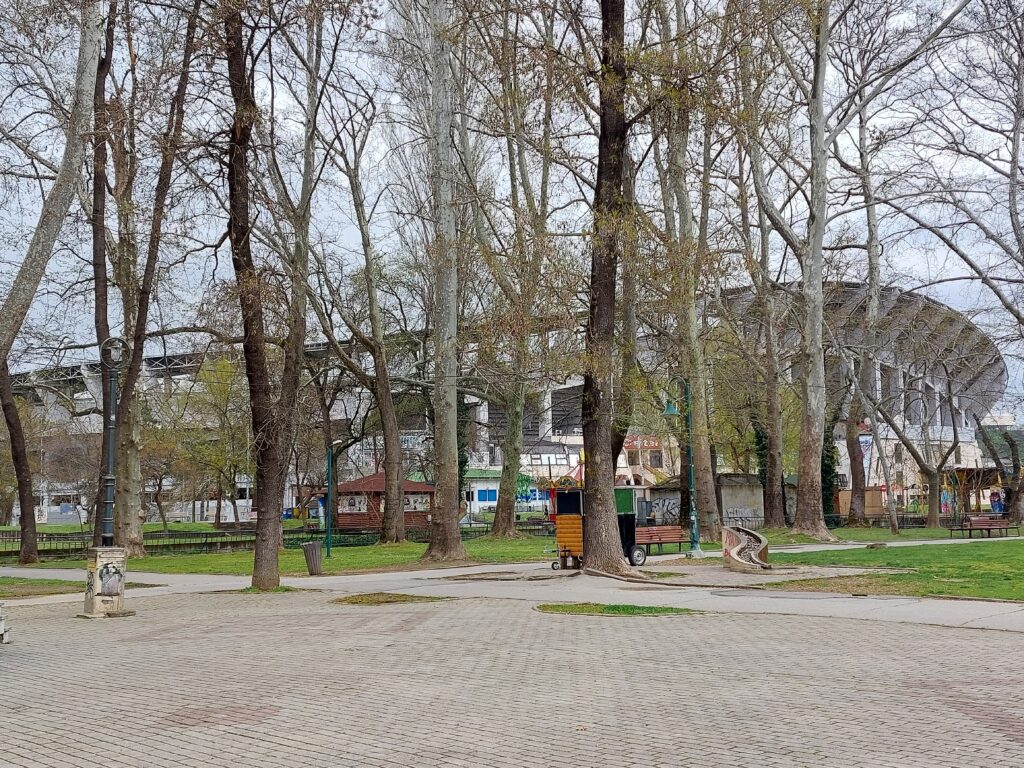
(6,508)
(511,451)
(129,513)
(158,499)
(684,472)
(857,480)
(809,515)
(58,199)
(774,496)
(22,471)
(268,435)
(445,536)
(935,500)
(602,548)
(217,521)
(136,293)
(774,475)
(393,524)
(1015,511)
(703,469)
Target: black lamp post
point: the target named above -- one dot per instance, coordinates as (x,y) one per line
(111,355)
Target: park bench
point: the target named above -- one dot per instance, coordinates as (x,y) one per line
(661,535)
(986,524)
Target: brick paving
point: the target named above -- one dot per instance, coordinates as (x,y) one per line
(294,681)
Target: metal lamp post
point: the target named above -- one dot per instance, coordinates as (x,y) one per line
(330,491)
(672,410)
(106,565)
(111,354)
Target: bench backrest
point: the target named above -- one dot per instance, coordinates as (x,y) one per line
(652,534)
(988,522)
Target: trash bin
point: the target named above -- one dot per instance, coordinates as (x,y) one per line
(311,551)
(627,535)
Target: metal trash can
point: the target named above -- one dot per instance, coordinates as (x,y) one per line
(636,554)
(311,551)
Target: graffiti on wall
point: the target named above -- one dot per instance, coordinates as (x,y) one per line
(111,579)
(666,508)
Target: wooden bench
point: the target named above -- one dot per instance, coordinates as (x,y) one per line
(986,524)
(661,534)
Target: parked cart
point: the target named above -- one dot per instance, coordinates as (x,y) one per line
(569,533)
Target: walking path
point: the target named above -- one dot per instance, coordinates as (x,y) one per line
(494,583)
(760,677)
(297,681)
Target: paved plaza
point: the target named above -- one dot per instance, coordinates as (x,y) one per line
(294,680)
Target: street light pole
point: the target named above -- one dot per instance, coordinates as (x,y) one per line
(330,491)
(110,355)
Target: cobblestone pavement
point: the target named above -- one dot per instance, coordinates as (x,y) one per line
(292,680)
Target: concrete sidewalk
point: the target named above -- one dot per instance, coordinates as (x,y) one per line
(975,614)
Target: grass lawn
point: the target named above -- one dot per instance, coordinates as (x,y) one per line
(601,609)
(882,534)
(992,570)
(385,598)
(343,559)
(12,587)
(782,536)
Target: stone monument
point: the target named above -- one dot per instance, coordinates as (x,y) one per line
(106,573)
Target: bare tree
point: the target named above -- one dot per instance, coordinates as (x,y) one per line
(57,200)
(272,416)
(29,552)
(445,536)
(601,535)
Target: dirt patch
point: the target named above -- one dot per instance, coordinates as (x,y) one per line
(865,584)
(385,598)
(693,561)
(540,575)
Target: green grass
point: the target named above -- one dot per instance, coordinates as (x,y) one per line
(665,574)
(783,536)
(780,536)
(385,598)
(601,609)
(990,570)
(343,560)
(12,587)
(255,591)
(882,534)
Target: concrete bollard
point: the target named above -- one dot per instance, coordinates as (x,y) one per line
(5,631)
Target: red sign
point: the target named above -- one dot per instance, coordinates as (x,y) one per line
(642,442)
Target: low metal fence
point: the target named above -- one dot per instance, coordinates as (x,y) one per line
(73,545)
(348,538)
(54,546)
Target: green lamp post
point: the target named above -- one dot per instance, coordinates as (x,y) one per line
(672,410)
(330,492)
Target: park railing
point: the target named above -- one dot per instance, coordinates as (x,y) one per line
(349,538)
(74,545)
(53,546)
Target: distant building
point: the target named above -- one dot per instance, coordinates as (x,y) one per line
(360,503)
